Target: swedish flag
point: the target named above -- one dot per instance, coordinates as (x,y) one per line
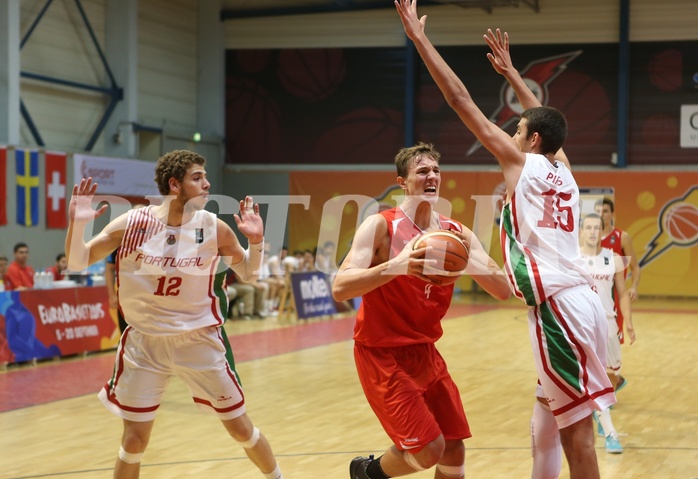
(27,172)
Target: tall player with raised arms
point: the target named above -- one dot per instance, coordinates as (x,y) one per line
(567,323)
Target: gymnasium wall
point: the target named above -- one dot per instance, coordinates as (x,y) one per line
(558,22)
(60,46)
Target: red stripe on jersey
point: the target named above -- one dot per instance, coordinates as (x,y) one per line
(531,260)
(514,219)
(141,227)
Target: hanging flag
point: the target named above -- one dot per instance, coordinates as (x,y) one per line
(27,174)
(3,188)
(55,190)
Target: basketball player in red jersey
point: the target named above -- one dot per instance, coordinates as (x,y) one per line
(621,243)
(403,376)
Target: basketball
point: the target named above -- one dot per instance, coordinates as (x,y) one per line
(681,222)
(449,252)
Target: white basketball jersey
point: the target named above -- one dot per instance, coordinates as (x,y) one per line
(602,268)
(538,229)
(167,275)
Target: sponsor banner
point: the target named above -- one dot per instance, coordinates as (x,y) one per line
(659,209)
(39,324)
(116,176)
(312,294)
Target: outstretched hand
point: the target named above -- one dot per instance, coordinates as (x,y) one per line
(249,222)
(413,24)
(499,57)
(81,210)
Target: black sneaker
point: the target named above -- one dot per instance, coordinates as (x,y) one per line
(357,467)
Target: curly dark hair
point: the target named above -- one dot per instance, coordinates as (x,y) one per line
(174,165)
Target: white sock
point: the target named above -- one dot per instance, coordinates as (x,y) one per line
(275,474)
(606,422)
(546,448)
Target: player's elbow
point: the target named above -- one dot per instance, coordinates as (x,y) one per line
(339,293)
(459,101)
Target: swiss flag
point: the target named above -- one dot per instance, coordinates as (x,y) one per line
(56,216)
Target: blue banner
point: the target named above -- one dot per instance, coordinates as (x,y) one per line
(27,174)
(312,294)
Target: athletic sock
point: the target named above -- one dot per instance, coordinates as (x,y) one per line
(275,474)
(374,470)
(606,422)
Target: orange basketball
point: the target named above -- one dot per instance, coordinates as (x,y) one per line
(450,253)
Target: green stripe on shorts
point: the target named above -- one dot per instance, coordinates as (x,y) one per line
(562,358)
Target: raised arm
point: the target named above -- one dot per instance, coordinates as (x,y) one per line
(497,142)
(500,58)
(246,263)
(79,253)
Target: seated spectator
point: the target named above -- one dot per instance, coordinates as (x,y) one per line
(295,262)
(19,275)
(308,261)
(57,270)
(245,297)
(3,270)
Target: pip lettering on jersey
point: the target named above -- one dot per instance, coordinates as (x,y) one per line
(554,179)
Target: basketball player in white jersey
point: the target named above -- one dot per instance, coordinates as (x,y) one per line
(172,297)
(540,244)
(607,269)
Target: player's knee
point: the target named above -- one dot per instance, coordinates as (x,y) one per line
(134,443)
(428,457)
(252,440)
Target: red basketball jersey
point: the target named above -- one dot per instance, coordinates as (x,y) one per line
(612,241)
(405,310)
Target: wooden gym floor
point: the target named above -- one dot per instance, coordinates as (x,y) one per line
(303,393)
